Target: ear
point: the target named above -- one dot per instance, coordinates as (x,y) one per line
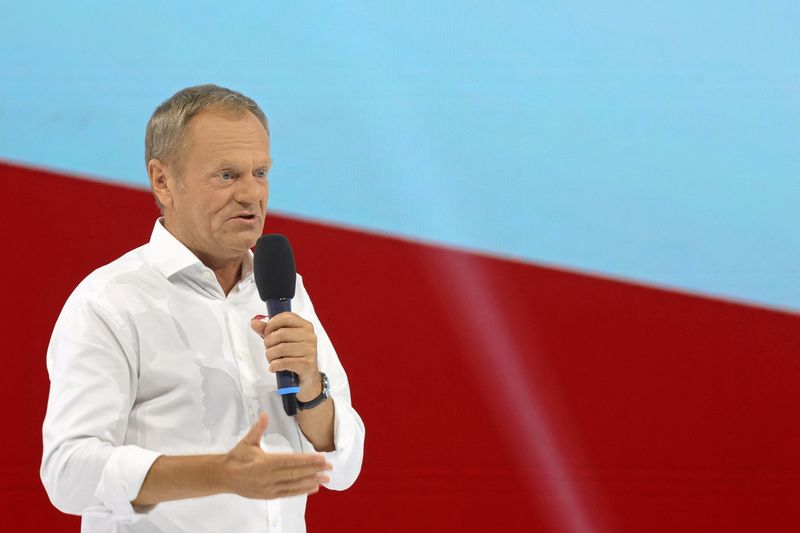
(162,181)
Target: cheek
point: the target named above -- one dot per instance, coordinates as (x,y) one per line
(220,207)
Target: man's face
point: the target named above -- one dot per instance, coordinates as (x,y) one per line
(218,207)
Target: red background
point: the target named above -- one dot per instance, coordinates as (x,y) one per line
(497,395)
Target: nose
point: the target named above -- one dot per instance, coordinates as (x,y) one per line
(251,190)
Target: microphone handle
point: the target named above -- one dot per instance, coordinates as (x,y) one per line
(288,381)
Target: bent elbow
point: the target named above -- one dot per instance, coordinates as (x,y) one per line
(345,471)
(69,481)
(58,492)
(340,483)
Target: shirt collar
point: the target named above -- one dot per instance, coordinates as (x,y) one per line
(171,256)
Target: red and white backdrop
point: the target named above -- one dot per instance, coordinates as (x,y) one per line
(570,234)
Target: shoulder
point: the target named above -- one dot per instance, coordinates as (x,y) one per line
(107,285)
(96,314)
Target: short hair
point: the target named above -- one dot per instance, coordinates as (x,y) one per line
(165,137)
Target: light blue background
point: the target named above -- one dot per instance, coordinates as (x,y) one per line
(653,141)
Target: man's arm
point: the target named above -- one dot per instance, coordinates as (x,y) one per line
(317,423)
(246,470)
(291,344)
(301,344)
(92,383)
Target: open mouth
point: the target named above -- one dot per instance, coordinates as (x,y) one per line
(245,217)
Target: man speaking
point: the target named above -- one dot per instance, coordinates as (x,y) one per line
(163,413)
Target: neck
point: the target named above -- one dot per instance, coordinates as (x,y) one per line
(228,273)
(227,269)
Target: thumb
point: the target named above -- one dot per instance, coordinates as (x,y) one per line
(253,436)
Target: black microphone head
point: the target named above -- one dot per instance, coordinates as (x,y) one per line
(273,267)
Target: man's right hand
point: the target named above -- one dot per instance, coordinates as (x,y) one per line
(251,472)
(246,470)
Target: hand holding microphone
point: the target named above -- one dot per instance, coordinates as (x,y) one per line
(289,340)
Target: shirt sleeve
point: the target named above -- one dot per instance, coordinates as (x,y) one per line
(348,428)
(85,468)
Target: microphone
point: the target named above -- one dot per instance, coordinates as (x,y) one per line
(275,275)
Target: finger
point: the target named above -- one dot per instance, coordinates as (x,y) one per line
(256,430)
(282,461)
(301,366)
(302,471)
(282,482)
(288,335)
(299,473)
(298,489)
(286,320)
(315,478)
(290,350)
(258,325)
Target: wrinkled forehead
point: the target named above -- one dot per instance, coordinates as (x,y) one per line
(215,135)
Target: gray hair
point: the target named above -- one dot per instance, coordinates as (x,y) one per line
(165,137)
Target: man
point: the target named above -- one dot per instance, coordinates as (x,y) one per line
(163,414)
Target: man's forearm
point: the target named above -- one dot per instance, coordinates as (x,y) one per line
(317,425)
(174,477)
(245,470)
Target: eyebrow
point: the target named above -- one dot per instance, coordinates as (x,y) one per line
(225,163)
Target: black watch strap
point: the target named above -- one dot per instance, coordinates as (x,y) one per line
(319,399)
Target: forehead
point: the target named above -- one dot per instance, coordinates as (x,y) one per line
(211,135)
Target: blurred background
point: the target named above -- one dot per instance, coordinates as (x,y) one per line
(573,227)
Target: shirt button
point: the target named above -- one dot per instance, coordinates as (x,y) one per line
(274,522)
(241,355)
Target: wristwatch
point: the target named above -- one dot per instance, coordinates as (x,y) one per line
(319,399)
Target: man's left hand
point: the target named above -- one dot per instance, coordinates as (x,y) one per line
(291,344)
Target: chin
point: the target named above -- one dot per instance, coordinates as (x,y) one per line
(245,244)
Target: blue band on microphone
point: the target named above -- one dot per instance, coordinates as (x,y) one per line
(288,390)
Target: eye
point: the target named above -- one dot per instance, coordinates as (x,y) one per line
(261,173)
(226,175)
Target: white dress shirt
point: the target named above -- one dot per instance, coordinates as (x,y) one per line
(149,357)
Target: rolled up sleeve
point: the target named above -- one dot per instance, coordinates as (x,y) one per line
(348,435)
(86,469)
(121,480)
